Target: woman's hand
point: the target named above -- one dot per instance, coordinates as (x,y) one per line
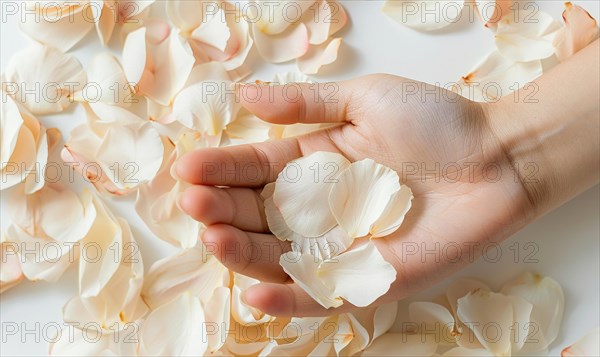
(472,185)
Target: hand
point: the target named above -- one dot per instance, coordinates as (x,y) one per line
(466,191)
(460,159)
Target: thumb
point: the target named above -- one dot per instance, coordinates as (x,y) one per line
(308,103)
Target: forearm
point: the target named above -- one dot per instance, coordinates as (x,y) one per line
(555,142)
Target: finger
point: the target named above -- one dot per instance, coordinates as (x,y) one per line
(287,300)
(240,207)
(298,102)
(252,254)
(245,165)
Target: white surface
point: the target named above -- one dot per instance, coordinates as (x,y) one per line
(567,239)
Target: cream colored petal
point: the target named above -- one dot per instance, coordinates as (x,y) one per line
(242,313)
(275,17)
(130,154)
(64,216)
(174,329)
(361,196)
(10,125)
(217,312)
(398,344)
(331,243)
(52,75)
(393,215)
(283,47)
(107,82)
(424,15)
(521,40)
(481,308)
(304,183)
(384,318)
(135,55)
(433,319)
(63,33)
(491,11)
(304,270)
(249,128)
(167,72)
(548,301)
(350,337)
(22,159)
(588,345)
(205,108)
(580,30)
(359,276)
(36,179)
(495,77)
(75,342)
(460,288)
(185,15)
(213,31)
(194,270)
(105,18)
(318,56)
(156,204)
(96,265)
(319,21)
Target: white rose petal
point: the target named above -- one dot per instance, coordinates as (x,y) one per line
(359,276)
(41,67)
(175,329)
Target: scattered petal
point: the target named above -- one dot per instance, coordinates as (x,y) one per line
(523,40)
(581,29)
(52,76)
(588,345)
(318,56)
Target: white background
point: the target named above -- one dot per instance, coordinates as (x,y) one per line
(568,238)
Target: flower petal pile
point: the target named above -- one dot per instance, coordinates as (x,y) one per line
(321,203)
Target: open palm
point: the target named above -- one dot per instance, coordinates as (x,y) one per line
(467,194)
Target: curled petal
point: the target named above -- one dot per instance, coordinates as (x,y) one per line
(304,184)
(521,40)
(362,194)
(318,56)
(274,18)
(496,76)
(480,307)
(491,11)
(242,313)
(131,154)
(424,15)
(581,29)
(41,67)
(57,26)
(175,329)
(548,302)
(286,46)
(359,276)
(96,271)
(434,319)
(588,345)
(107,82)
(192,270)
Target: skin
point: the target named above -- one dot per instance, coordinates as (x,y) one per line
(506,164)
